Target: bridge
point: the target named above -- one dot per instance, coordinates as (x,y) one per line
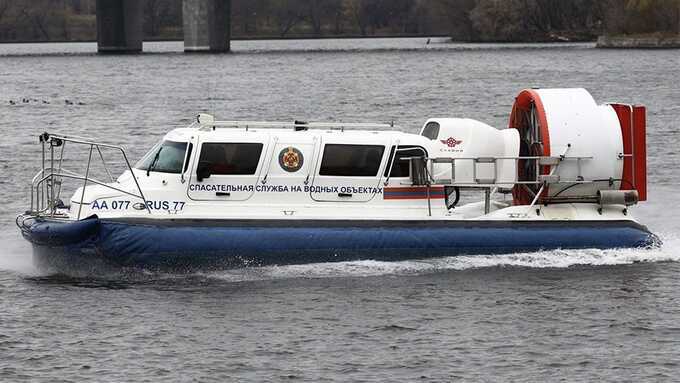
(206,25)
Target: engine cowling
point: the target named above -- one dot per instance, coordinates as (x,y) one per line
(569,123)
(470,142)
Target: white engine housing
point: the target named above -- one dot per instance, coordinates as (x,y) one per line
(591,147)
(465,139)
(569,123)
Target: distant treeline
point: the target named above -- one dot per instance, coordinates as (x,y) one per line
(463,20)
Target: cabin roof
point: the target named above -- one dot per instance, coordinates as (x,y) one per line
(231,133)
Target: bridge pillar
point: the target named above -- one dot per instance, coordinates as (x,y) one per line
(207,25)
(119,26)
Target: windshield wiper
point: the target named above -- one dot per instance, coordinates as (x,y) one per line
(153,163)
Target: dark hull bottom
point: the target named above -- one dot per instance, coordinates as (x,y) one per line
(191,245)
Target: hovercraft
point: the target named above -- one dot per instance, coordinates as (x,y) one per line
(224,194)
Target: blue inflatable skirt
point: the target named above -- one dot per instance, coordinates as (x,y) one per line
(188,245)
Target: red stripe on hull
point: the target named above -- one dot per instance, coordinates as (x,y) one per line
(415,189)
(438,196)
(413,193)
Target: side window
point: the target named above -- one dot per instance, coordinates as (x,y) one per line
(431,130)
(351,160)
(231,158)
(401,166)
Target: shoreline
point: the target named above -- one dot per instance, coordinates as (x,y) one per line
(258,38)
(655,41)
(328,37)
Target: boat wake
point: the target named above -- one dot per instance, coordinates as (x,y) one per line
(15,256)
(557,259)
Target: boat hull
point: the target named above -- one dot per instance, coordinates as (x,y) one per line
(186,245)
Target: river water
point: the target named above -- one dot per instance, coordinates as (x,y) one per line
(562,315)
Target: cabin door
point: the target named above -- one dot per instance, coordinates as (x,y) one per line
(228,171)
(349,171)
(290,168)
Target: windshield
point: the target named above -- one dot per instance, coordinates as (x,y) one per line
(165,157)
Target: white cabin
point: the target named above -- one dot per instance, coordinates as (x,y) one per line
(254,170)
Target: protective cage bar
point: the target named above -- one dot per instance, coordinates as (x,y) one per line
(46,184)
(490,186)
(539,179)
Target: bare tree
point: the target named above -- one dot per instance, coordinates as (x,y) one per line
(321,12)
(63,19)
(499,19)
(507,20)
(4,7)
(456,14)
(37,16)
(83,6)
(288,13)
(655,15)
(315,15)
(355,10)
(335,12)
(156,13)
(244,15)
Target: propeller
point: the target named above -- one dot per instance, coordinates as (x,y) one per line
(531,144)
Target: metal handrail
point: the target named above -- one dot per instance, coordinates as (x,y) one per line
(44,182)
(92,180)
(281,124)
(553,162)
(494,160)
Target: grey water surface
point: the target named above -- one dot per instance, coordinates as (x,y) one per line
(585,315)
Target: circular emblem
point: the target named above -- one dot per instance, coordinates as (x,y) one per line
(291,159)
